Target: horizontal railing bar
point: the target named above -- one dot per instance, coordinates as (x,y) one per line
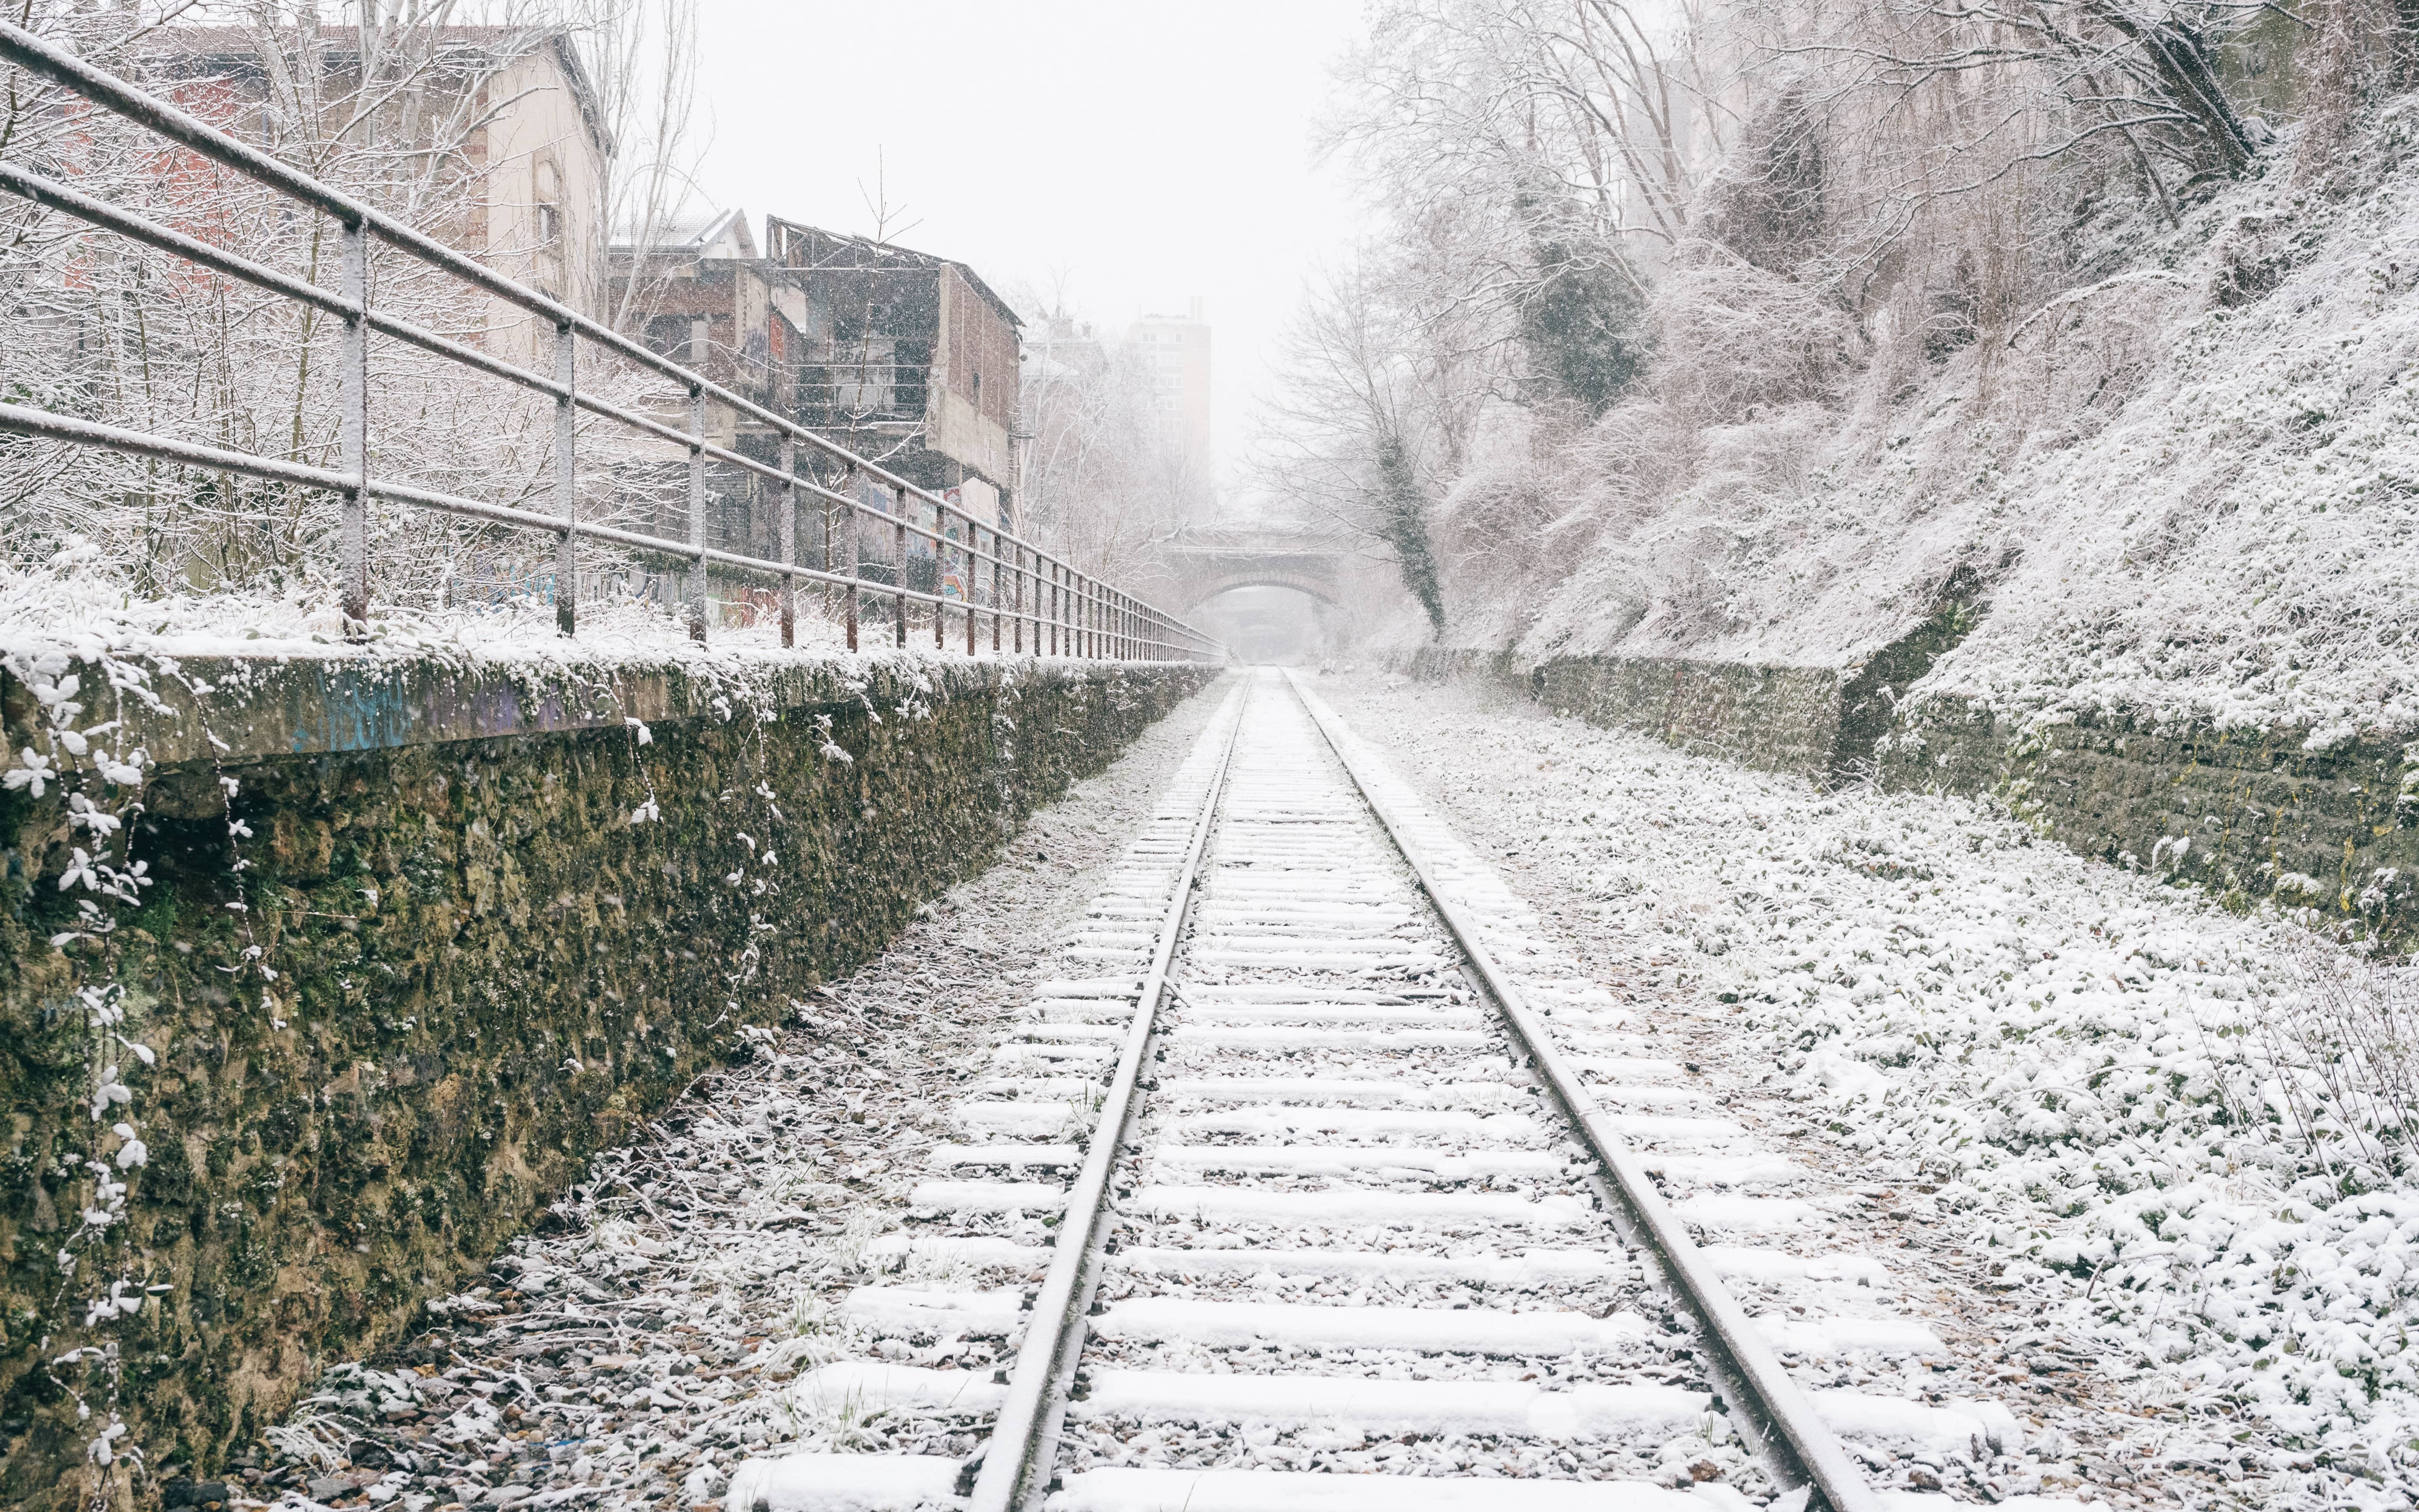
(38,56)
(24,420)
(55,195)
(58,196)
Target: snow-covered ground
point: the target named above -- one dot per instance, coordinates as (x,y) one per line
(635,1351)
(75,604)
(2065,1092)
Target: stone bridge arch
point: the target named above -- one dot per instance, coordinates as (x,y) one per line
(1206,561)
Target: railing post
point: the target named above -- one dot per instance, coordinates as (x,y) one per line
(940,579)
(695,596)
(998,569)
(1016,586)
(974,536)
(789,527)
(899,574)
(353,435)
(855,548)
(567,552)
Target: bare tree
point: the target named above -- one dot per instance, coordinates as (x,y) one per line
(1615,232)
(1105,485)
(1374,419)
(641,61)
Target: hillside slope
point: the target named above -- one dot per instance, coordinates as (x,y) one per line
(2188,489)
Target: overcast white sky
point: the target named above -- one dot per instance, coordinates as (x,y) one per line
(1144,151)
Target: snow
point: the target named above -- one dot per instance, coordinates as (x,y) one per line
(1250,1324)
(1514,1272)
(710,1263)
(1766,1215)
(1448,1211)
(1779,1265)
(845,1483)
(1402,1093)
(878,1385)
(2044,1081)
(952,1157)
(1504,1129)
(1395,1406)
(1839,1335)
(1210,1010)
(2178,504)
(1439,1164)
(1277,1491)
(1971,1426)
(86,611)
(1284,1040)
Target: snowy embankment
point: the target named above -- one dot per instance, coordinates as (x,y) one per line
(2185,483)
(2107,1115)
(649,1336)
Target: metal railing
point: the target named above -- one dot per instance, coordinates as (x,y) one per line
(1068,613)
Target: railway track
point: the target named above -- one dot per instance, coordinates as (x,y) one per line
(1321,1181)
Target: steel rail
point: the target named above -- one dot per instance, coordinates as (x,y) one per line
(20,420)
(1793,1435)
(1017,1457)
(37,57)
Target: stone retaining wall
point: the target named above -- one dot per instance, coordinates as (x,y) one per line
(2247,815)
(485,971)
(1775,719)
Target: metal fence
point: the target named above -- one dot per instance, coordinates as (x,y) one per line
(1068,613)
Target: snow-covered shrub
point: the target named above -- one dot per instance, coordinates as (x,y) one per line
(1730,336)
(2345,1051)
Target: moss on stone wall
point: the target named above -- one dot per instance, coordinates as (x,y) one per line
(485,972)
(2248,815)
